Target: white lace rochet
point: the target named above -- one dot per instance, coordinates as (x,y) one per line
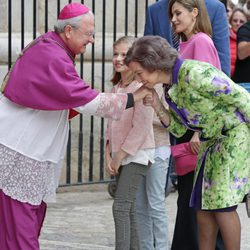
(27,180)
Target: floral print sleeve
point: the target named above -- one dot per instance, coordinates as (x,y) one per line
(112,105)
(176,127)
(211,82)
(107,105)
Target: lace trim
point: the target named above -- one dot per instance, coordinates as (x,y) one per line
(26,179)
(111,105)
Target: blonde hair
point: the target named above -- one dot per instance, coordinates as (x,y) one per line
(202,23)
(238,9)
(117,75)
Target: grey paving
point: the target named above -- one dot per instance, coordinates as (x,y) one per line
(82,220)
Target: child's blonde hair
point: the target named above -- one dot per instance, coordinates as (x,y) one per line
(129,41)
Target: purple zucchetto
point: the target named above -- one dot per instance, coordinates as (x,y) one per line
(73,10)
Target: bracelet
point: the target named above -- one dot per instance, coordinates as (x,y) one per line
(160,114)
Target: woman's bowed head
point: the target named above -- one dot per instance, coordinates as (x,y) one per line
(152,59)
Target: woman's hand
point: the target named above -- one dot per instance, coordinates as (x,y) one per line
(195,143)
(141,93)
(116,164)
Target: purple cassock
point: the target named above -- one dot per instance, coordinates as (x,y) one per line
(44,77)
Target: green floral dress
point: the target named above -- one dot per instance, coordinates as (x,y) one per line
(206,100)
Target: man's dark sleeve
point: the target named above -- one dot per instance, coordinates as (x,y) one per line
(130,101)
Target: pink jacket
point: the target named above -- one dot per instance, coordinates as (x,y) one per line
(200,47)
(134,131)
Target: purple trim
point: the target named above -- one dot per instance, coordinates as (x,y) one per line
(173,106)
(196,196)
(176,69)
(195,199)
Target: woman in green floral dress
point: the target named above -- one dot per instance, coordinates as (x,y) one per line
(204,99)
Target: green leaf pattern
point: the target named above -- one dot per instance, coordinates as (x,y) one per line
(213,102)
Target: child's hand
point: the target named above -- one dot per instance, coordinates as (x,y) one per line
(108,159)
(116,164)
(108,167)
(117,161)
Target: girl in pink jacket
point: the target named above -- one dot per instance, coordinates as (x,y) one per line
(129,149)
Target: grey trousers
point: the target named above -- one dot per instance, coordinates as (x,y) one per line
(130,176)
